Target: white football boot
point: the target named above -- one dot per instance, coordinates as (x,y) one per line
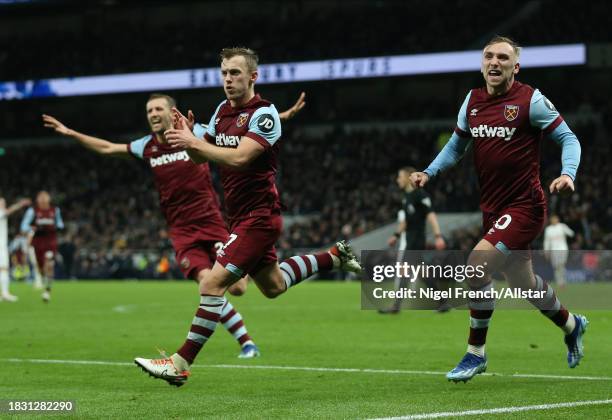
(163,369)
(348,260)
(9,298)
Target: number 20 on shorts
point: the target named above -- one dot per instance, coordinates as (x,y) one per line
(502,222)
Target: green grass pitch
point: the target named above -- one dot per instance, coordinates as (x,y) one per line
(315,325)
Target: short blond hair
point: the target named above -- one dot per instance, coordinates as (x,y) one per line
(250,56)
(498,38)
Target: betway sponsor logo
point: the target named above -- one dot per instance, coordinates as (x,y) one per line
(484,131)
(169,158)
(223,140)
(45,221)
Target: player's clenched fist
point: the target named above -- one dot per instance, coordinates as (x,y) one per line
(419,179)
(564,185)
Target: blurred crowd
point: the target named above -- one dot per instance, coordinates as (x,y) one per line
(340,181)
(188,34)
(115,228)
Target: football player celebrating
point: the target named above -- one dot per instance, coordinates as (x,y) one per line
(243,139)
(186,197)
(504,123)
(41,224)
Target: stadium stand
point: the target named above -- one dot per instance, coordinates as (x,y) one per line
(115,228)
(111,208)
(162,36)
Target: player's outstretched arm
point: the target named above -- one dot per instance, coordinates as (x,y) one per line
(18,206)
(544,115)
(297,107)
(570,159)
(98,145)
(26,222)
(448,157)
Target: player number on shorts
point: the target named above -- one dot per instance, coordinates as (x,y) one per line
(231,239)
(503,222)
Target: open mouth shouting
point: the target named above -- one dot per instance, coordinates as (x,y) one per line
(494,74)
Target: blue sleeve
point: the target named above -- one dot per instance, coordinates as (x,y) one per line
(462,120)
(449,155)
(570,149)
(59,222)
(136,147)
(542,113)
(265,126)
(199,130)
(26,222)
(210,130)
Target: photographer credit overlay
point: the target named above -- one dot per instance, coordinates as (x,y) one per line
(442,280)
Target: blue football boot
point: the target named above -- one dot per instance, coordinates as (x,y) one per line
(470,366)
(575,348)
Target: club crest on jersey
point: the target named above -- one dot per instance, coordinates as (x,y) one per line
(511,112)
(242,119)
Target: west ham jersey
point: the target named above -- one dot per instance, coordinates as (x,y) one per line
(250,191)
(45,222)
(187,198)
(506,132)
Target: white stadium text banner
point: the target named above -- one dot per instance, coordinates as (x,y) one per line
(304,71)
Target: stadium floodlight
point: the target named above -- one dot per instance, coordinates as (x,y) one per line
(291,72)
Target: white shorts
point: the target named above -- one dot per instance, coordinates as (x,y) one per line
(558,258)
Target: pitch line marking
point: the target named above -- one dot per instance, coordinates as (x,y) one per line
(311,369)
(499,410)
(122,309)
